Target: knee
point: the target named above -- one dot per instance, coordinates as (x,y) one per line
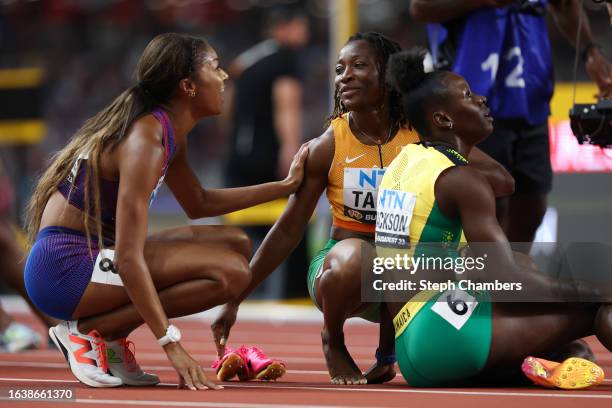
(240,242)
(603,325)
(243,244)
(236,276)
(341,279)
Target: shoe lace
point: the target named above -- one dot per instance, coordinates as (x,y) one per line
(129,353)
(258,352)
(100,345)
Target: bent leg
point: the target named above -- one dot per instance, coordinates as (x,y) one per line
(190,277)
(525,213)
(338,292)
(219,236)
(603,325)
(541,328)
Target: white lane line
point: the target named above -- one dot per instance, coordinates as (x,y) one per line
(145,366)
(38,380)
(206,357)
(159,368)
(420,391)
(194,404)
(206,404)
(377,390)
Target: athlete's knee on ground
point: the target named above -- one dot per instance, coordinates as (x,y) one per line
(603,325)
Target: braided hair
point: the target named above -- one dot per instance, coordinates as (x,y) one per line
(384,47)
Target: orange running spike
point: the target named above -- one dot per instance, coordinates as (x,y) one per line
(572,374)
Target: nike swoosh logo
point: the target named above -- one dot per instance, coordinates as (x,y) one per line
(349,161)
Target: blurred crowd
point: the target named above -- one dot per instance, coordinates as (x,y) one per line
(88,49)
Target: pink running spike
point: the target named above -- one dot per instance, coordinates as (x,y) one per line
(261,366)
(229,365)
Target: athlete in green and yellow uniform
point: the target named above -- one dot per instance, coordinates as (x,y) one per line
(446,339)
(412,177)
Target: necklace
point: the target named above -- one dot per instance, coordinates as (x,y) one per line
(376,142)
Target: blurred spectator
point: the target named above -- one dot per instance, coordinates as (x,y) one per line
(14,336)
(266,115)
(502,49)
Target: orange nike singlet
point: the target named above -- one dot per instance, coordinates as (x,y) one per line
(355,174)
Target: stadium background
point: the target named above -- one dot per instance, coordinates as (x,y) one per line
(62,60)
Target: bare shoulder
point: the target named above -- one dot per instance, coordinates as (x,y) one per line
(460,186)
(148,129)
(462,180)
(321,152)
(143,141)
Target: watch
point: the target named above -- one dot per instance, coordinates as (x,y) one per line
(173,335)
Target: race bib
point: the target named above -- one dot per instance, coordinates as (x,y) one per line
(360,188)
(455,306)
(104,269)
(394,212)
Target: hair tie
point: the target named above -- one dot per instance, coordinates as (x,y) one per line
(142,87)
(145,91)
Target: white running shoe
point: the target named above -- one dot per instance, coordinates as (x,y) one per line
(86,354)
(122,364)
(17,337)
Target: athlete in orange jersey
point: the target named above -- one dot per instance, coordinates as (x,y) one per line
(366,131)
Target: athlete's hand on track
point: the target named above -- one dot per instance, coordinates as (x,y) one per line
(222,325)
(296,171)
(190,372)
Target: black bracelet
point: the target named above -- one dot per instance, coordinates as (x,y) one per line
(584,54)
(384,360)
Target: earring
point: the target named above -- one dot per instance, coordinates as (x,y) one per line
(192,93)
(451,126)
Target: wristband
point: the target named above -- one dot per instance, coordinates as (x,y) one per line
(384,360)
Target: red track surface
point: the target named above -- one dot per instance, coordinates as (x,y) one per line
(306,383)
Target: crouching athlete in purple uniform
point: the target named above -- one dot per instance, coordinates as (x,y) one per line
(91,262)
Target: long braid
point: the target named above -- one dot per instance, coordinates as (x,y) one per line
(385,47)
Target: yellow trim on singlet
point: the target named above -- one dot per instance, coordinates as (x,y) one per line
(403,318)
(350,153)
(415,171)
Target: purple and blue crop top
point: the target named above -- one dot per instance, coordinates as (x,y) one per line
(109,190)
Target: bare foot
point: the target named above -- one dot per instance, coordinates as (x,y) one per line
(378,374)
(341,366)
